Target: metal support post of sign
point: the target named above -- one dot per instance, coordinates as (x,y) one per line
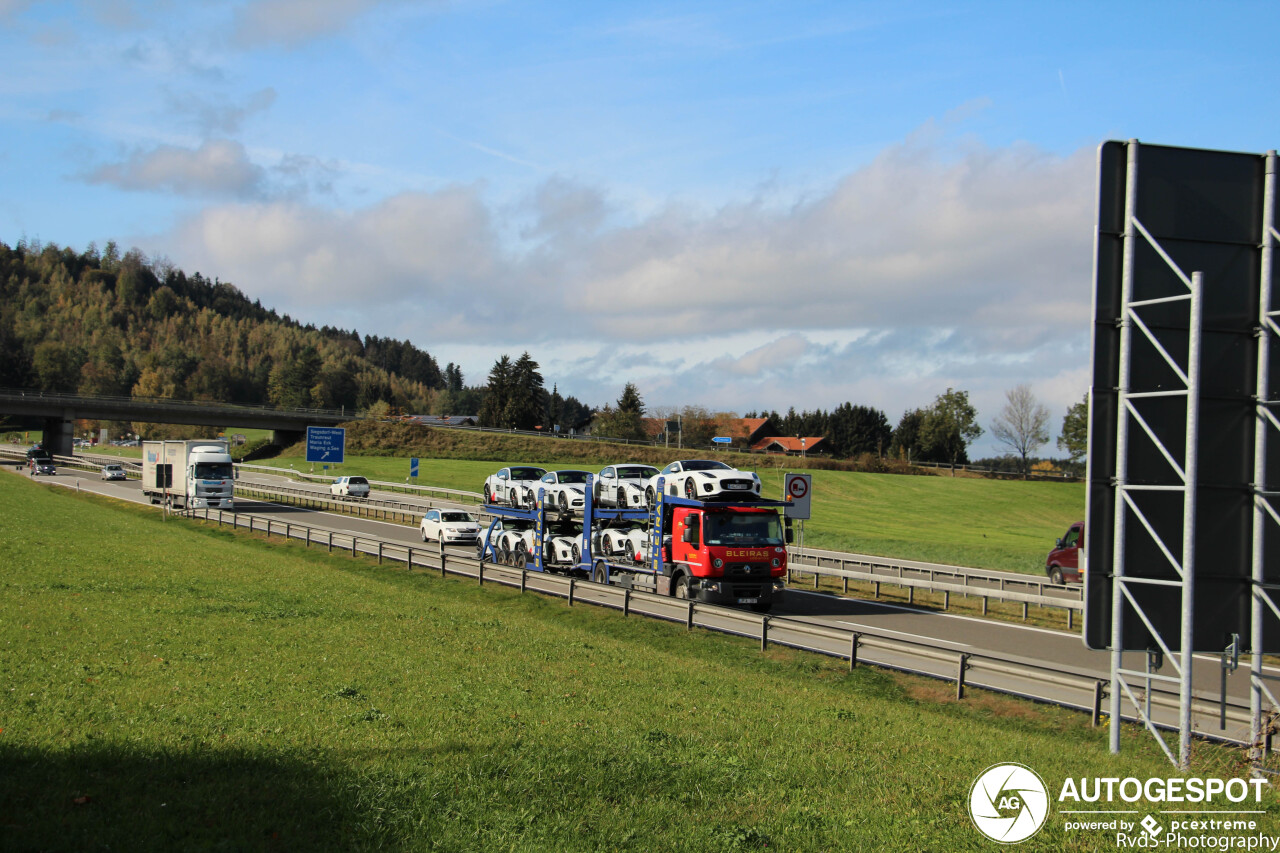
(1126,590)
(1263,603)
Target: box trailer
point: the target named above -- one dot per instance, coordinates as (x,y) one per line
(190,474)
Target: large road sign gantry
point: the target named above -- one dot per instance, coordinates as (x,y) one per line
(1183,548)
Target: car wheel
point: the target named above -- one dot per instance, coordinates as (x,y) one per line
(682,590)
(479,549)
(690,489)
(423,530)
(1055,576)
(577,555)
(648,497)
(564,507)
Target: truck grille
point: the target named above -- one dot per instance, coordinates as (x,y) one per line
(747,571)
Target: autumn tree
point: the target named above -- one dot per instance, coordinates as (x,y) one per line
(1021,424)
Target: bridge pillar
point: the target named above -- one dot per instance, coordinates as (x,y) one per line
(287,437)
(58,432)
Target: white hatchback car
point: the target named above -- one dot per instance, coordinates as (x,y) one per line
(349,487)
(449,527)
(703,479)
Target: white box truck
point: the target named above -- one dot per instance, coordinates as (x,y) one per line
(196,473)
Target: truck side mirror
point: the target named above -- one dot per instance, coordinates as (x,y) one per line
(790,536)
(689,536)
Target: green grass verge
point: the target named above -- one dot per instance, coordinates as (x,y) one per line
(166,685)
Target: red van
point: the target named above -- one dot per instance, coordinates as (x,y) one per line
(1063,563)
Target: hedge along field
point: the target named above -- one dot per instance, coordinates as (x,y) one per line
(168,685)
(965,521)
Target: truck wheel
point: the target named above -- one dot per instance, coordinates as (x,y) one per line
(597,572)
(681,589)
(521,560)
(1055,576)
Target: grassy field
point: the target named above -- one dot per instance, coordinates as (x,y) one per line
(165,685)
(990,524)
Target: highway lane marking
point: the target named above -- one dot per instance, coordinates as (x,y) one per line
(922,612)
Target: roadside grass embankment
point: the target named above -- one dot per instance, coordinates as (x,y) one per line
(1007,525)
(167,685)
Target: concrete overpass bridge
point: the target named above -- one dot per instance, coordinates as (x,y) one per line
(60,411)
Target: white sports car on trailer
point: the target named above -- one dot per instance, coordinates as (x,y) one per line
(515,486)
(564,490)
(702,479)
(628,543)
(622,486)
(504,538)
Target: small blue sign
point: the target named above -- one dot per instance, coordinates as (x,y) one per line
(326,444)
(413,466)
(722,439)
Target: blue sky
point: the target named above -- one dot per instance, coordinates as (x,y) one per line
(739,205)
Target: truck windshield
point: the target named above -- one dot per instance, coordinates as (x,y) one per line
(743,528)
(213,471)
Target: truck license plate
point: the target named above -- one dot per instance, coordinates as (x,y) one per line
(748,601)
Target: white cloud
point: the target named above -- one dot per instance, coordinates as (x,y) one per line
(922,270)
(294,22)
(219,167)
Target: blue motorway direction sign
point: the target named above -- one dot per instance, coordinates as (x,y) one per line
(413,466)
(722,439)
(326,444)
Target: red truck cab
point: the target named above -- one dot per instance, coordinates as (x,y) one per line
(729,555)
(1063,563)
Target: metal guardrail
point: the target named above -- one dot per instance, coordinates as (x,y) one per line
(406,488)
(946,580)
(1057,684)
(912,576)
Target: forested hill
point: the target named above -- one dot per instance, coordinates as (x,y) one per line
(99,323)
